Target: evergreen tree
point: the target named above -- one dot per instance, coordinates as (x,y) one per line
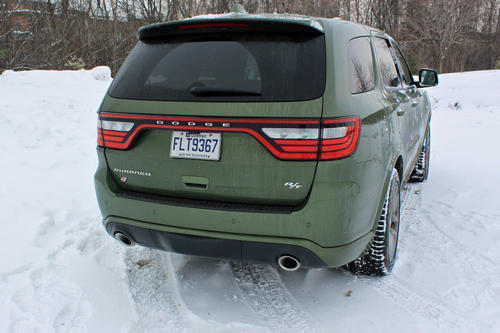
(3,53)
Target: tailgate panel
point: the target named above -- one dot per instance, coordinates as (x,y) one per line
(247,171)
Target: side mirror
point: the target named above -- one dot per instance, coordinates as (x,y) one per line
(427,78)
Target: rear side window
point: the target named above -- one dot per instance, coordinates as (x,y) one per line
(361,72)
(387,65)
(224,67)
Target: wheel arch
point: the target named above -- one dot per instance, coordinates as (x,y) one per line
(399,167)
(398,164)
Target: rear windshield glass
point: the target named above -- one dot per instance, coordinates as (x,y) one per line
(224,67)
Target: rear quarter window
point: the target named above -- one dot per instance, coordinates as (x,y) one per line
(388,67)
(361,70)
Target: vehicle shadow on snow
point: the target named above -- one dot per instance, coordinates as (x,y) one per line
(258,294)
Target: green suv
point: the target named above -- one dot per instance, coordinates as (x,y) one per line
(277,139)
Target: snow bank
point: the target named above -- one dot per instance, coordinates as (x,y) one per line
(466,139)
(61,272)
(58,273)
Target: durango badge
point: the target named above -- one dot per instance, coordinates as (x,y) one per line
(133,172)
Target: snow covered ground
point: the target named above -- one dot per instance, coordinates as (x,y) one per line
(61,272)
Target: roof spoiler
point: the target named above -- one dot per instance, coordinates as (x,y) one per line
(231,23)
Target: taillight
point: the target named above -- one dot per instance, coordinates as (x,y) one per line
(286,139)
(121,126)
(112,133)
(339,137)
(291,133)
(302,142)
(336,138)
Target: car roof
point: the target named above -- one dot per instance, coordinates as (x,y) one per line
(258,22)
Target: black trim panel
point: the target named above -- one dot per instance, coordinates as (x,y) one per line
(203,204)
(216,248)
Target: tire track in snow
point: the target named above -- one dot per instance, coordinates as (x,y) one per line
(150,277)
(417,302)
(476,292)
(421,237)
(265,293)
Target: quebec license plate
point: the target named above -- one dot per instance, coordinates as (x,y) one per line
(202,146)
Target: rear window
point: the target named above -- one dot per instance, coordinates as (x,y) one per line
(224,67)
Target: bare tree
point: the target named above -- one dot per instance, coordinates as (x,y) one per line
(451,35)
(438,26)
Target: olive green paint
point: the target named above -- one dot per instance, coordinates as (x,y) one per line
(337,208)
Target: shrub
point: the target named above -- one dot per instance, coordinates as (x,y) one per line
(3,53)
(412,60)
(74,63)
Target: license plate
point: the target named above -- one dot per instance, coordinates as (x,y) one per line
(202,146)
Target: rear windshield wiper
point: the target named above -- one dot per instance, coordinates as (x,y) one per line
(204,91)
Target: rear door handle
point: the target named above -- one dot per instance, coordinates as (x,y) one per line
(400,111)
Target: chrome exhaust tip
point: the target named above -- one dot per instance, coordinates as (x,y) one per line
(288,263)
(123,239)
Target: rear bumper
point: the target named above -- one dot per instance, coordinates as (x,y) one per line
(333,227)
(216,248)
(246,249)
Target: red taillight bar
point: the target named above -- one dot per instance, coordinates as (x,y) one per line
(211,25)
(282,148)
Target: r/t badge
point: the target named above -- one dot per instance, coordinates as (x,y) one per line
(293,185)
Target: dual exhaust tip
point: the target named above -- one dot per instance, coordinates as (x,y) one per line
(286,262)
(124,239)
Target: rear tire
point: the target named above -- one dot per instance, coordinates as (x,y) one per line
(381,255)
(421,170)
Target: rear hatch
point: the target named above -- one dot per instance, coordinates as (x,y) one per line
(224,111)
